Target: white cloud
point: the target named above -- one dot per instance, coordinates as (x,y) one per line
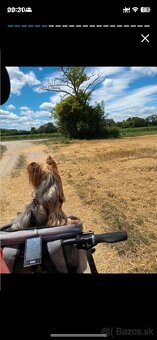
(47,106)
(38,89)
(35,123)
(19,79)
(40,68)
(108,82)
(47,80)
(26,112)
(30,114)
(23,125)
(25,120)
(120,97)
(43,113)
(118,85)
(55,98)
(51,104)
(7,115)
(24,108)
(138,97)
(121,81)
(10,107)
(146,71)
(108,71)
(148,110)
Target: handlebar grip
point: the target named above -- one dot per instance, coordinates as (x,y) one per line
(111,237)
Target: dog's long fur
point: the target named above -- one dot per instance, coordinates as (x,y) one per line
(46,207)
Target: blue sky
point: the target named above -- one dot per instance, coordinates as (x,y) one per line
(126,91)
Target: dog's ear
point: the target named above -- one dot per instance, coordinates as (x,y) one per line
(35,173)
(51,162)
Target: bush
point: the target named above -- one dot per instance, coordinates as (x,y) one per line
(111,132)
(79,120)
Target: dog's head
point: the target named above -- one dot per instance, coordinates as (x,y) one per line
(38,173)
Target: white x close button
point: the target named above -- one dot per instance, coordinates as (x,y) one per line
(144,38)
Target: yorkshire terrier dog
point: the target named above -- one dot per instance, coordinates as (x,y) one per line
(46,207)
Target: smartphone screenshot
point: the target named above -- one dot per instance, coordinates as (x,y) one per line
(78,120)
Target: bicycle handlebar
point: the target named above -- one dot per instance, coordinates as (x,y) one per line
(70,235)
(90,239)
(114,237)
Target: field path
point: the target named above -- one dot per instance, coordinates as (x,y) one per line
(14,150)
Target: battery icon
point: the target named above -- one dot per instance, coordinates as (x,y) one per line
(145,9)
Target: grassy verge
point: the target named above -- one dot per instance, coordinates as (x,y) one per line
(20,164)
(32,136)
(61,140)
(141,131)
(2,150)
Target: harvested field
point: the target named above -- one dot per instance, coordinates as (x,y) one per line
(111,185)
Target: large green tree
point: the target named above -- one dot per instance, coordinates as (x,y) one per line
(79,120)
(74,115)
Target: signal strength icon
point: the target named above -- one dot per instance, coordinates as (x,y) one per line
(135,9)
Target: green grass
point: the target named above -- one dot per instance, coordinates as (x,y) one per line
(53,138)
(141,131)
(32,136)
(2,150)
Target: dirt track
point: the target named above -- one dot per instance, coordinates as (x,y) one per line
(14,149)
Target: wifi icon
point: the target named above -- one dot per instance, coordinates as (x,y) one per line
(135,9)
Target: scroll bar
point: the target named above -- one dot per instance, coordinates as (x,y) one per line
(78,335)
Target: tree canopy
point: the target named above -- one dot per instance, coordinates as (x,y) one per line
(79,121)
(73,81)
(74,115)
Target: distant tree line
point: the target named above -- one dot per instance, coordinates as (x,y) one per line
(46,128)
(135,122)
(109,126)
